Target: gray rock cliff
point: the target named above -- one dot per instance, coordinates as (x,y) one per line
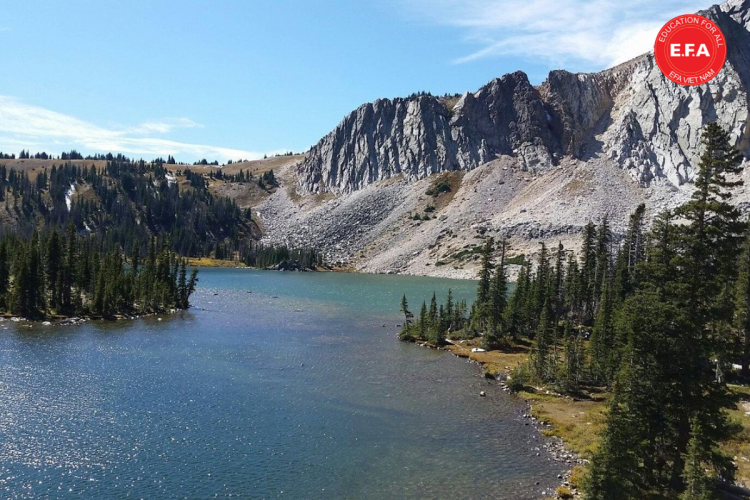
(631,114)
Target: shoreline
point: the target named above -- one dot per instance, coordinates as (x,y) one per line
(573,424)
(207,262)
(497,365)
(57,320)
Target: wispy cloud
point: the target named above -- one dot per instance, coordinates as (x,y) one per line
(32,127)
(4,28)
(586,34)
(164,126)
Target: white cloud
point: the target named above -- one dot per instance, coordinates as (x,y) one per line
(24,126)
(164,126)
(586,34)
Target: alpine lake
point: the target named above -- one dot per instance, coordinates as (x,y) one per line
(273,385)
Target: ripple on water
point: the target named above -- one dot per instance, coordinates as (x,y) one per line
(304,395)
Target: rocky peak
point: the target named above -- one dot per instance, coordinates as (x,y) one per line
(630,113)
(421,136)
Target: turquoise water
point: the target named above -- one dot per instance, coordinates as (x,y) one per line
(296,390)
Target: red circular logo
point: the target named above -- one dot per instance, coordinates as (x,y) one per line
(690,50)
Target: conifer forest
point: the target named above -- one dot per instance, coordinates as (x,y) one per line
(657,319)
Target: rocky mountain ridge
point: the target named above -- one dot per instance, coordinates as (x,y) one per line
(534,163)
(631,113)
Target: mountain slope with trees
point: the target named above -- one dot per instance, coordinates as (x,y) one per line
(667,314)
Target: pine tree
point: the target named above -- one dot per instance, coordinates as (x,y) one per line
(54,267)
(742,306)
(540,289)
(603,243)
(558,283)
(449,311)
(438,332)
(614,470)
(408,316)
(673,324)
(68,271)
(481,307)
(422,323)
(587,274)
(603,358)
(542,358)
(432,315)
(572,281)
(698,485)
(711,243)
(574,358)
(515,316)
(498,303)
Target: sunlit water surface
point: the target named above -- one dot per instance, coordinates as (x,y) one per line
(296,390)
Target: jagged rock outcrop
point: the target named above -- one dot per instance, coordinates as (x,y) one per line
(656,124)
(420,136)
(631,113)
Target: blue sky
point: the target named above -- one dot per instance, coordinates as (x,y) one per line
(238,79)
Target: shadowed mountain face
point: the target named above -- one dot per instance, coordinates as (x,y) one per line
(631,115)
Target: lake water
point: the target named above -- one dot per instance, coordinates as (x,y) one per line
(295,390)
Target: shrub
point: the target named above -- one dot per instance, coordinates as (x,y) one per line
(406,334)
(519,377)
(564,492)
(516,259)
(576,476)
(443,187)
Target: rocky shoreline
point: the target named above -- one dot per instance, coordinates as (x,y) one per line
(553,445)
(79,320)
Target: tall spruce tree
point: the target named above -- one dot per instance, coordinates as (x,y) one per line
(498,302)
(604,358)
(673,326)
(587,274)
(408,316)
(742,307)
(543,359)
(698,486)
(515,315)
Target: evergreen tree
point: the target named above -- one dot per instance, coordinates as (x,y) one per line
(408,316)
(481,309)
(587,274)
(574,359)
(604,359)
(558,283)
(498,302)
(423,323)
(543,358)
(673,325)
(54,268)
(515,316)
(603,243)
(432,315)
(742,306)
(449,311)
(68,271)
(698,486)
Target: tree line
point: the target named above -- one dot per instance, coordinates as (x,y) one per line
(125,202)
(657,319)
(263,256)
(67,275)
